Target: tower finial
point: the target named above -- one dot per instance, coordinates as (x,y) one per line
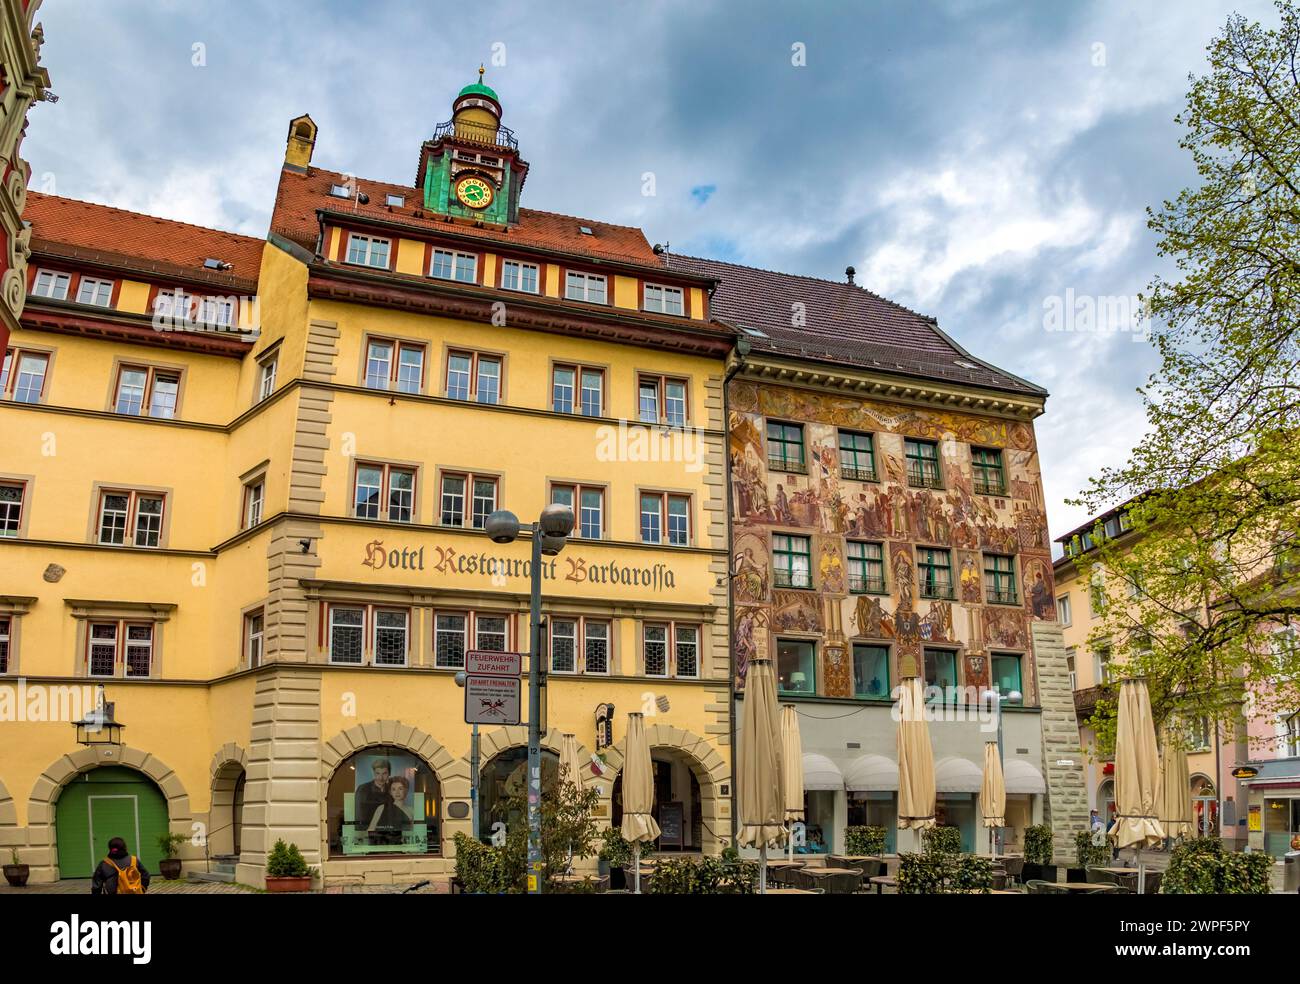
(481,70)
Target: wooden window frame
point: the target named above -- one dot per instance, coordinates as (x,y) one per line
(246,520)
(578,369)
(997,654)
(396,347)
(131,530)
(15,355)
(853,473)
(981,469)
(938,593)
(664,495)
(121,643)
(660,382)
(455,255)
(581,625)
(152,372)
(869,585)
(475,358)
(790,573)
(471,616)
(671,668)
(246,655)
(386,469)
(271,362)
(577,488)
(467,503)
(994,576)
(917,478)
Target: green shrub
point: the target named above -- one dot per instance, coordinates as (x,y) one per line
(286,861)
(864,840)
(724,875)
(1038,844)
(1202,867)
(1089,854)
(169,844)
(485,869)
(616,852)
(943,873)
(941,840)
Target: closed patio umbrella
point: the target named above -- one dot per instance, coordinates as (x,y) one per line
(638,793)
(915,759)
(792,759)
(570,770)
(762,800)
(1176,801)
(1137,774)
(993,791)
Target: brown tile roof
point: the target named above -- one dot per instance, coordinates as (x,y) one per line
(84,230)
(843,323)
(300,195)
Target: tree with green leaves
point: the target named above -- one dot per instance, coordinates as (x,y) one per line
(1200,588)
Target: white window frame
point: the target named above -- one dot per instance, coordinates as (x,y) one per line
(12,373)
(366,249)
(266,378)
(254,501)
(1064,610)
(518,268)
(254,640)
(583,282)
(661,294)
(454,262)
(99,288)
(7,507)
(56,280)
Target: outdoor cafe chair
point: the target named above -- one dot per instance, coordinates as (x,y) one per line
(1037,886)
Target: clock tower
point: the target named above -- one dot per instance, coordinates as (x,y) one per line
(470,169)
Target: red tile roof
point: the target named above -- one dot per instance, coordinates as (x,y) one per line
(842,323)
(86,230)
(300,195)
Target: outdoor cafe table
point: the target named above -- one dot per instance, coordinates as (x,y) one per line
(1076,886)
(789,891)
(820,873)
(884,881)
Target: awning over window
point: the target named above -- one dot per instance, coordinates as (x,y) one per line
(957,775)
(1021,777)
(871,773)
(819,772)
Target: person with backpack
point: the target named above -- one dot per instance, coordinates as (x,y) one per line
(119,873)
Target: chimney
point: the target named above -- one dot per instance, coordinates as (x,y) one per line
(302,141)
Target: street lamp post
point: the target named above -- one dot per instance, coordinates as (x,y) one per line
(549,535)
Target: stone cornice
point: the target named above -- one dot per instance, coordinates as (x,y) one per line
(938,394)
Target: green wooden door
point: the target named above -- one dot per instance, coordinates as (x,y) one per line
(108,802)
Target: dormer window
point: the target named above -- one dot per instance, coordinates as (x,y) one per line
(340,191)
(368,251)
(519,276)
(395,201)
(50,284)
(663,300)
(589,287)
(96,292)
(447,264)
(211,263)
(585,230)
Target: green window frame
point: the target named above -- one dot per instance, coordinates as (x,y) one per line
(857,456)
(922,464)
(870,671)
(866,567)
(792,561)
(785,447)
(934,568)
(987,471)
(1007,678)
(1000,579)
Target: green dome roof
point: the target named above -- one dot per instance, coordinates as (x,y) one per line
(478,89)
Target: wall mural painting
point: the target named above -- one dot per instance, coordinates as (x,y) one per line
(828,509)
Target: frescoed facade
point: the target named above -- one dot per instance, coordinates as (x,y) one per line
(889,524)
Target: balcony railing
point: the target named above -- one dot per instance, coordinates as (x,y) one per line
(857,474)
(866,584)
(489,136)
(986,487)
(923,478)
(791,466)
(1002,596)
(791,579)
(938,590)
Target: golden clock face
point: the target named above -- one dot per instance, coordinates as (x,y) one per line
(474,192)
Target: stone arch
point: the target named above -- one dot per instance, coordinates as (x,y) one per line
(230,762)
(706,764)
(452,773)
(41,828)
(10,836)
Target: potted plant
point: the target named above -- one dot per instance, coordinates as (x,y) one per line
(1038,854)
(865,841)
(1088,854)
(16,873)
(287,869)
(170,865)
(616,855)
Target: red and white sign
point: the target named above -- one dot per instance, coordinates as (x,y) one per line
(485,662)
(492,700)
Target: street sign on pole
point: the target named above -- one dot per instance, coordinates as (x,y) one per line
(492,700)
(485,662)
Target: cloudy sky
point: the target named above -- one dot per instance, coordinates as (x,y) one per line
(982,161)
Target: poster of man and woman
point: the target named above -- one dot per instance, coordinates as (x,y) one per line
(385,813)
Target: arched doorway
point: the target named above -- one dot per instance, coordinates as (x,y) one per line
(503,785)
(1205,807)
(1106,802)
(105,802)
(225,826)
(678,806)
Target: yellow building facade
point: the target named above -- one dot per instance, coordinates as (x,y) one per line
(244,484)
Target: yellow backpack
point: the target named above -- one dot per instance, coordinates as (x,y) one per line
(129,881)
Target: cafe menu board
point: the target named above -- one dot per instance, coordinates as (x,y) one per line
(670,826)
